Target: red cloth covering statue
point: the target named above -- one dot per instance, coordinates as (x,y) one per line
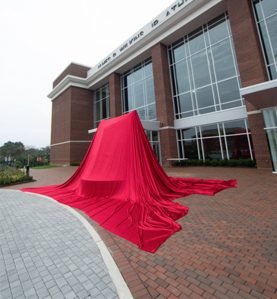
(121,185)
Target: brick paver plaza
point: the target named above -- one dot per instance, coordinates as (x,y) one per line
(226,249)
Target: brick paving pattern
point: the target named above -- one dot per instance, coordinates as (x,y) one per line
(45,252)
(226,249)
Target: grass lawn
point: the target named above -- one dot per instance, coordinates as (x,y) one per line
(45,166)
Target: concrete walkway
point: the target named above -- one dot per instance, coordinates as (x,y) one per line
(47,252)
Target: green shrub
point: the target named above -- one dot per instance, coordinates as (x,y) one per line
(75,164)
(9,175)
(215,163)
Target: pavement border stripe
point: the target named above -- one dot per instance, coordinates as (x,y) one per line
(119,282)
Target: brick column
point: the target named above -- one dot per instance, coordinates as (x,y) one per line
(164,105)
(259,139)
(115,95)
(72,117)
(252,70)
(246,41)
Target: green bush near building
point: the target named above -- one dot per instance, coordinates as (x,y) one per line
(221,163)
(10,175)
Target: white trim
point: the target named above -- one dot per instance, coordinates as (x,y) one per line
(151,125)
(210,118)
(181,18)
(66,82)
(92,130)
(70,141)
(164,16)
(270,128)
(254,112)
(167,128)
(158,35)
(258,87)
(119,282)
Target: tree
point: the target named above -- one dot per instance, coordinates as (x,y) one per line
(12,150)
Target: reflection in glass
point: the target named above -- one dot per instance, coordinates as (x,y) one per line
(182,78)
(223,60)
(212,148)
(206,68)
(230,141)
(101,104)
(238,147)
(229,90)
(138,93)
(200,69)
(266,18)
(218,31)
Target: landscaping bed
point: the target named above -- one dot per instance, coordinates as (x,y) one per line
(11,176)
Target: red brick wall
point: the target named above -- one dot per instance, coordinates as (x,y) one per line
(72,117)
(246,41)
(60,154)
(61,117)
(259,139)
(163,96)
(73,69)
(164,105)
(81,113)
(252,70)
(115,95)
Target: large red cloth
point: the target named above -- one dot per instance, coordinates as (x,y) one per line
(121,185)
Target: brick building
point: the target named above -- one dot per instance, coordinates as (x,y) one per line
(202,76)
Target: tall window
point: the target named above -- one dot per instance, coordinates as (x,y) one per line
(137,93)
(101,104)
(137,87)
(266,18)
(270,119)
(204,72)
(228,140)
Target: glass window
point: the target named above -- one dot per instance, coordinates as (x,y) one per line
(223,60)
(269,7)
(196,42)
(138,93)
(203,71)
(185,102)
(151,112)
(209,131)
(101,104)
(190,148)
(148,70)
(205,99)
(238,147)
(229,140)
(266,18)
(218,31)
(178,53)
(189,133)
(212,148)
(150,94)
(229,90)
(200,69)
(182,78)
(235,127)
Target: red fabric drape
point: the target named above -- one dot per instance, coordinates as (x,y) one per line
(121,185)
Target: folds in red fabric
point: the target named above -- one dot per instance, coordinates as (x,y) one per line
(121,185)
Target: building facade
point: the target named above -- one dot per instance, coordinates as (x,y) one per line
(202,76)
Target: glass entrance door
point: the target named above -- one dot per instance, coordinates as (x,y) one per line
(270,119)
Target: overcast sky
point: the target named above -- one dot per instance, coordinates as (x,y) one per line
(38,39)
